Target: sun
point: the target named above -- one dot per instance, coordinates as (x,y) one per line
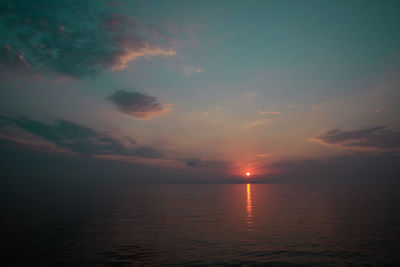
(248,174)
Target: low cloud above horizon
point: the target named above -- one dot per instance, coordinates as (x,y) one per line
(379,137)
(71,137)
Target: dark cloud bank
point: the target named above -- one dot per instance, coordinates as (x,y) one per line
(200,163)
(136,104)
(358,167)
(380,162)
(75,137)
(26,163)
(73,38)
(381,137)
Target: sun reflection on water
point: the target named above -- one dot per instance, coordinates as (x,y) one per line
(249,206)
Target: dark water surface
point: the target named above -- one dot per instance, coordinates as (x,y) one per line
(198,224)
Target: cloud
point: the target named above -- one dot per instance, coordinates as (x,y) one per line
(130,52)
(192,162)
(357,167)
(323,104)
(190,70)
(74,137)
(137,104)
(74,38)
(210,164)
(261,112)
(260,123)
(380,137)
(14,59)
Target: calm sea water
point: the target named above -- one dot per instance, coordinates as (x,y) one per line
(200,224)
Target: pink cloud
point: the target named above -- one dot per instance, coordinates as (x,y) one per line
(131,51)
(261,112)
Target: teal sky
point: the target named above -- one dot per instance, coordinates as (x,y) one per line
(213,87)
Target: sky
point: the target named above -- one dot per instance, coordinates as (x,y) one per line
(200,90)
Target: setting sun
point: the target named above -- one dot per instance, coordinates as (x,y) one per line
(248,174)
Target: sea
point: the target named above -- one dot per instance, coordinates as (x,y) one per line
(246,224)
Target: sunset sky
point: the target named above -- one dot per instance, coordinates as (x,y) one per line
(200,90)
